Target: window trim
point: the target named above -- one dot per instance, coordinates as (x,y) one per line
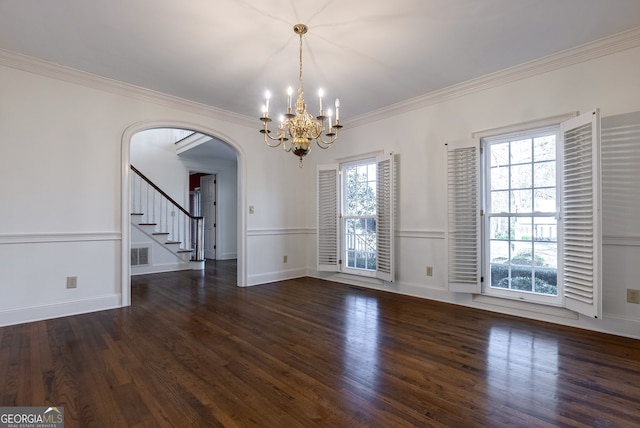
(343,216)
(585,275)
(329,255)
(485,168)
(523,126)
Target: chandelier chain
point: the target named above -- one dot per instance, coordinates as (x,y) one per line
(300,87)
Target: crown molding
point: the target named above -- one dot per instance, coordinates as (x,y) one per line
(71,75)
(599,48)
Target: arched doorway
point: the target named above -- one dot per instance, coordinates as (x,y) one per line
(230,145)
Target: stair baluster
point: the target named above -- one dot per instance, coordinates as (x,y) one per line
(168,217)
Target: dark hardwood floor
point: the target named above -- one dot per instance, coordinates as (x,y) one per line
(194,350)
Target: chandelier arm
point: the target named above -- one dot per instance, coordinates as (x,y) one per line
(267,136)
(280,141)
(317,134)
(327,144)
(266,141)
(284,146)
(332,134)
(280,138)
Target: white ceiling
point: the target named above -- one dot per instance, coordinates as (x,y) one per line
(369,53)
(208,150)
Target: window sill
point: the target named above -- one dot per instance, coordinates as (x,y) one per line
(531,307)
(356,279)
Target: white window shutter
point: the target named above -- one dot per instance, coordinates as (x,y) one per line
(581,215)
(385,231)
(463,216)
(328,239)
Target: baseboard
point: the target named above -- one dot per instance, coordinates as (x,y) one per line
(57,310)
(282,275)
(227,256)
(168,267)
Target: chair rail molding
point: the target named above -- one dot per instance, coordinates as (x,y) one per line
(36,238)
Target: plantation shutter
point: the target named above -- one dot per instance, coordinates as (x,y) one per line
(463,216)
(581,215)
(385,233)
(328,218)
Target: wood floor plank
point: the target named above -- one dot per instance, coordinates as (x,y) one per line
(195,350)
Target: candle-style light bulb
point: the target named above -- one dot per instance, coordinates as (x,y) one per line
(289,92)
(337,109)
(267,96)
(329,113)
(320,94)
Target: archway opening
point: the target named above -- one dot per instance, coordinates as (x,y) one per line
(169,154)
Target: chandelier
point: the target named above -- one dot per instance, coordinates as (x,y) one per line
(301,127)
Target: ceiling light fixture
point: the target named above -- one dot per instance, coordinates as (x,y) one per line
(301,127)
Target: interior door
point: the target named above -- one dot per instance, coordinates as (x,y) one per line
(209,196)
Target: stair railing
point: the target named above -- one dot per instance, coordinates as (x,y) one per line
(169,217)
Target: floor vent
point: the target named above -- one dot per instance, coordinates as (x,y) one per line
(140,256)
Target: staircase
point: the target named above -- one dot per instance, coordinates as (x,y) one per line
(165,221)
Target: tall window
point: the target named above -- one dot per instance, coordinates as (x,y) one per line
(521,203)
(356,217)
(359,218)
(524,218)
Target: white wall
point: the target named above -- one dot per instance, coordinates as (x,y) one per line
(283,214)
(64,160)
(153,153)
(62,168)
(417,136)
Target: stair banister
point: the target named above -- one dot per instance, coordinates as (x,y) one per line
(177,232)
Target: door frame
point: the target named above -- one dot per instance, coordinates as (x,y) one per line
(215,174)
(125,241)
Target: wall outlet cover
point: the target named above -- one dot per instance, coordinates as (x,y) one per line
(633,296)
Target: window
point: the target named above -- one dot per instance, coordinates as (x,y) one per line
(520,222)
(355,217)
(359,215)
(524,217)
